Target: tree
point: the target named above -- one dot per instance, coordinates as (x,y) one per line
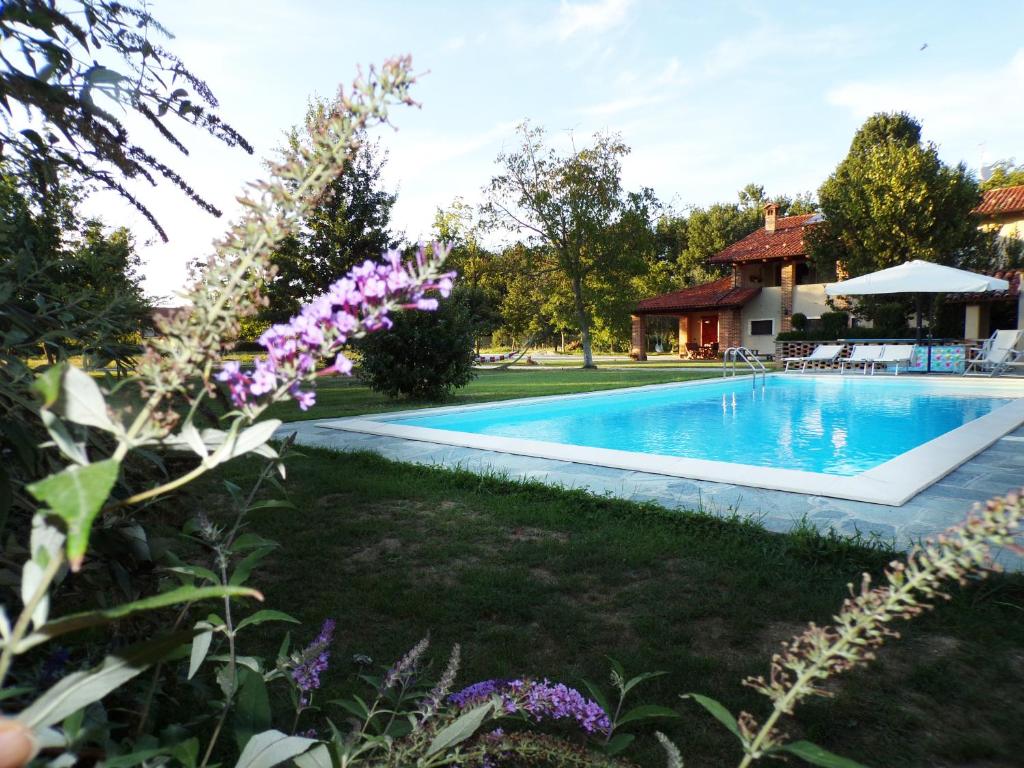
(60,62)
(349,224)
(569,205)
(1003,174)
(425,355)
(892,200)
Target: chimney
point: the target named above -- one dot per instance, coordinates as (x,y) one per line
(770,212)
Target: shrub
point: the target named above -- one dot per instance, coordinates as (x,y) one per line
(834,324)
(890,316)
(425,355)
(799,321)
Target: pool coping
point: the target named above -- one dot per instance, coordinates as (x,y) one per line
(892,483)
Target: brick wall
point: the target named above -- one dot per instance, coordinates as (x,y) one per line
(788,281)
(638,349)
(729,328)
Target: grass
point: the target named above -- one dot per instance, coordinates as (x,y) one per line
(338,396)
(543,581)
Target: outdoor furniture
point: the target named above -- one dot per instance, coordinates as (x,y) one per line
(823,353)
(996,355)
(862,355)
(894,354)
(692,350)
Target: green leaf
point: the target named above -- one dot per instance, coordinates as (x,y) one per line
(644,712)
(82,402)
(134,758)
(76,494)
(79,621)
(718,711)
(263,616)
(270,748)
(187,752)
(246,564)
(633,683)
(252,706)
(251,541)
(80,689)
(47,384)
(815,755)
(618,743)
(200,647)
(464,726)
(318,757)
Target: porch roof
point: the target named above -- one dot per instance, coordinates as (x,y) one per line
(1001,202)
(719,294)
(1012,276)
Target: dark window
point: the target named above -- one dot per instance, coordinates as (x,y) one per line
(762,327)
(806,274)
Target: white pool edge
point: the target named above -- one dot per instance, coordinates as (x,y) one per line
(892,483)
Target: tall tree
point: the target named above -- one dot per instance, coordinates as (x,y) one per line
(571,206)
(350,224)
(1003,174)
(891,200)
(66,64)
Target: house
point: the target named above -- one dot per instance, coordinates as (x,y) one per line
(771,279)
(1001,210)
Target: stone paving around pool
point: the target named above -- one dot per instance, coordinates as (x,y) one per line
(993,472)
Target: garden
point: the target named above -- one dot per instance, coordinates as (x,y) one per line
(182,588)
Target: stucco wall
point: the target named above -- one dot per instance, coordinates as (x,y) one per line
(767,305)
(810,299)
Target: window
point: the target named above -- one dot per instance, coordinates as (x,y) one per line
(762,327)
(806,274)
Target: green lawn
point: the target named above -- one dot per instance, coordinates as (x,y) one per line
(340,396)
(542,581)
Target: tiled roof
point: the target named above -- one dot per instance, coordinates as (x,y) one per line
(785,242)
(1012,276)
(717,295)
(997,202)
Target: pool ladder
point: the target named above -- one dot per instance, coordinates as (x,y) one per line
(733,354)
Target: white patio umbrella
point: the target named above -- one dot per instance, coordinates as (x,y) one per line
(918,277)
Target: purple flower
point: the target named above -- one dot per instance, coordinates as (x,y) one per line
(358,303)
(541,700)
(312,661)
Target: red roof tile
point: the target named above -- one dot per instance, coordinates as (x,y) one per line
(786,241)
(717,295)
(1012,276)
(997,202)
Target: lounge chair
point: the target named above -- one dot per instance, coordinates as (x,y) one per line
(823,353)
(894,354)
(863,355)
(996,355)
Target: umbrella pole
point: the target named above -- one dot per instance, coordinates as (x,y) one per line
(920,312)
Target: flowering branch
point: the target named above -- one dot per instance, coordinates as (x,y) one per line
(863,623)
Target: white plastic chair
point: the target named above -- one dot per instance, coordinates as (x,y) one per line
(823,353)
(862,354)
(894,354)
(997,354)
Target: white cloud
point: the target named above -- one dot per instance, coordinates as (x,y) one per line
(771,41)
(959,110)
(592,18)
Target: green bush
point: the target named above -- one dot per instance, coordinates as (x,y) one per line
(799,321)
(890,316)
(425,355)
(834,324)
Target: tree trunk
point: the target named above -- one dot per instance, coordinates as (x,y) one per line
(584,323)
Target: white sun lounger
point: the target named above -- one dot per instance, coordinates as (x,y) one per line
(996,355)
(823,353)
(862,355)
(894,354)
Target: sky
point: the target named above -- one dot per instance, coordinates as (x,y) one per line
(710,96)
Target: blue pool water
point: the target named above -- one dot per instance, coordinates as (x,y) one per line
(839,426)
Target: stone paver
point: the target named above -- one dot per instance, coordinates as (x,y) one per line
(993,472)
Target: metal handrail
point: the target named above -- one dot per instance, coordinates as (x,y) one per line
(732,354)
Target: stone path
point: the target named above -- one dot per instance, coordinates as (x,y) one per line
(993,472)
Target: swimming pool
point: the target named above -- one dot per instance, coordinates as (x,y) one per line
(871,439)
